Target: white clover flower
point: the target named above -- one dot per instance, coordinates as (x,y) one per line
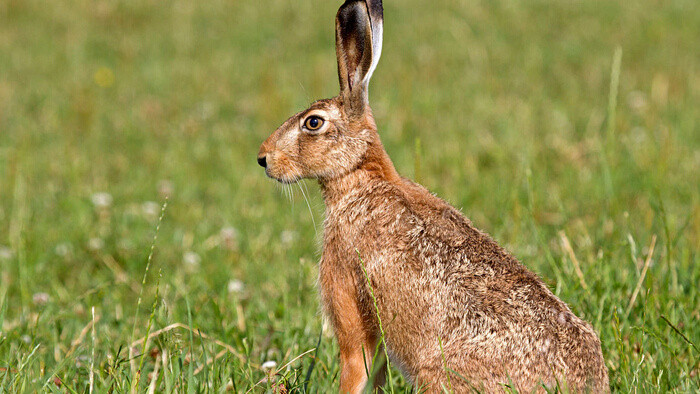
(229,238)
(40,298)
(150,209)
(288,236)
(269,365)
(6,253)
(63,249)
(235,286)
(95,244)
(191,260)
(102,200)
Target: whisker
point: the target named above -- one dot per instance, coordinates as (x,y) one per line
(278,187)
(308,204)
(305,92)
(306,189)
(290,196)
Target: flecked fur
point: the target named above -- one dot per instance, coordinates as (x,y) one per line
(449,297)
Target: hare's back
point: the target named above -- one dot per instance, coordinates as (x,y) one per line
(478,301)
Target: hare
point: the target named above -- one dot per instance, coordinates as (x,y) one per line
(454,309)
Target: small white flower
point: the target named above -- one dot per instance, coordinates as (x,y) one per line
(229,238)
(63,249)
(191,260)
(102,200)
(165,188)
(40,298)
(637,100)
(150,209)
(288,236)
(235,286)
(96,244)
(269,365)
(26,338)
(6,253)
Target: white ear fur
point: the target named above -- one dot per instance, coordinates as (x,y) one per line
(376,16)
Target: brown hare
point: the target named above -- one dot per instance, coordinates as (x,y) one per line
(450,300)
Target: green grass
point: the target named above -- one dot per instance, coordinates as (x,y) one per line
(511,110)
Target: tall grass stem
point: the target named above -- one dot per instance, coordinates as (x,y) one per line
(134,388)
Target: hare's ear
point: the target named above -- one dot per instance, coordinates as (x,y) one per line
(358,45)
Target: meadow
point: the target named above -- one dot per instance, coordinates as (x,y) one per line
(132,206)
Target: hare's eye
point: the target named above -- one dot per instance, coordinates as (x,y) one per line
(313,123)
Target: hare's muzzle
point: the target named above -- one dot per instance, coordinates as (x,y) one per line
(262,160)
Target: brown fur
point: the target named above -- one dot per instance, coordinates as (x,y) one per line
(448,296)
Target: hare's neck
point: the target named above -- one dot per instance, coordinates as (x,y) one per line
(375,170)
(350,186)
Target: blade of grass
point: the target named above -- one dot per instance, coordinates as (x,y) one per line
(143,286)
(444,365)
(691,343)
(382,341)
(17,242)
(642,276)
(190,367)
(148,330)
(313,361)
(613,93)
(572,256)
(92,354)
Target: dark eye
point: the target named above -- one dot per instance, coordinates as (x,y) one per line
(313,123)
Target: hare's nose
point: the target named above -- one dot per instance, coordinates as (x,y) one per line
(262,160)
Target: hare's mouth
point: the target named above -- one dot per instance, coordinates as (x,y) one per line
(285,179)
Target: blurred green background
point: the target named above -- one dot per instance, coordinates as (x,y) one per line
(570,131)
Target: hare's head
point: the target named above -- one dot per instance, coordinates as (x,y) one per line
(332,136)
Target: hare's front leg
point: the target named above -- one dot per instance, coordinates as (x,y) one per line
(354,365)
(356,341)
(356,350)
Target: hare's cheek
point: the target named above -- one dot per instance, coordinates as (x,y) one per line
(326,155)
(289,141)
(348,157)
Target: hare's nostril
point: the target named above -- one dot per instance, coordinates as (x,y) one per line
(262,160)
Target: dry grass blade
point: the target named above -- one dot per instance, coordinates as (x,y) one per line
(92,353)
(295,359)
(643,275)
(154,377)
(280,368)
(572,256)
(77,341)
(183,326)
(119,274)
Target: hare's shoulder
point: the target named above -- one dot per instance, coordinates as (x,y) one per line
(466,257)
(443,225)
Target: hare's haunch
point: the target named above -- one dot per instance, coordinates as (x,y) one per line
(450,300)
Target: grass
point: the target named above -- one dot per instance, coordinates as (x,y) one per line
(568,130)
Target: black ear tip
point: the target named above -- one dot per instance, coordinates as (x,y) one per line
(351,6)
(352,16)
(375,8)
